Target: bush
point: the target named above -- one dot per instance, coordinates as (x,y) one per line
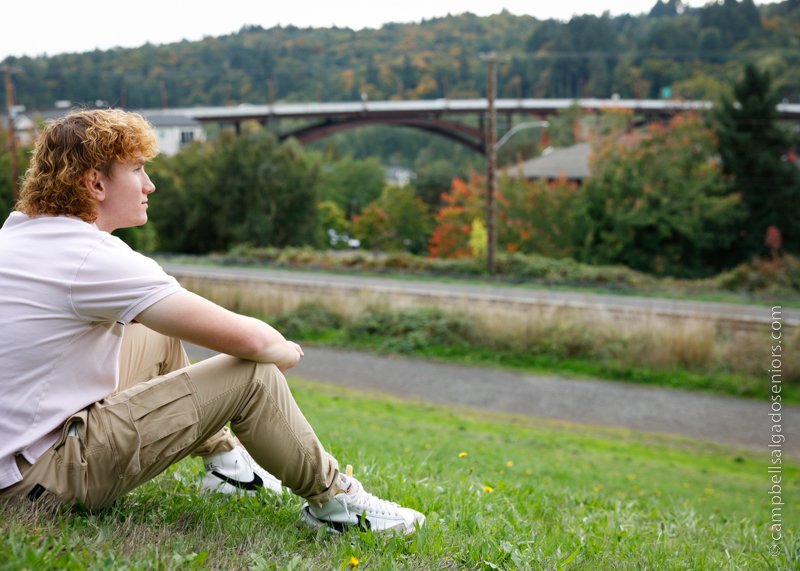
(781,275)
(306,320)
(412,330)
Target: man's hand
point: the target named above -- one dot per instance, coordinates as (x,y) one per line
(300,355)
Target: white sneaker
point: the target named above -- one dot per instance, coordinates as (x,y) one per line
(235,471)
(353,506)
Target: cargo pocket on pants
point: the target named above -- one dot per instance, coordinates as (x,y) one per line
(150,422)
(71,460)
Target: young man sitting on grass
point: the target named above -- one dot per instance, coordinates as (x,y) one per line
(97,395)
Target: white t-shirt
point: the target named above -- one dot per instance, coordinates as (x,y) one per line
(67,289)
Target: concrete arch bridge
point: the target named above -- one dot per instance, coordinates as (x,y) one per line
(442,117)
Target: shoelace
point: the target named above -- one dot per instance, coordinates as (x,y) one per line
(363,500)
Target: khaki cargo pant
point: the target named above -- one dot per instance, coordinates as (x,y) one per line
(165,410)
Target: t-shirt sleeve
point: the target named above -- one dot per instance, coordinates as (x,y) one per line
(115,283)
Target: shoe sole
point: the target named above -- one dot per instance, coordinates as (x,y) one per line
(340,527)
(230,490)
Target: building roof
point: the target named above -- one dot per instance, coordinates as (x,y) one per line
(169,120)
(567,162)
(161,118)
(21,122)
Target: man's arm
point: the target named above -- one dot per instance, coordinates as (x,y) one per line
(195,319)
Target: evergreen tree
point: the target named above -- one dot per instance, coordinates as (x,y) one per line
(666,8)
(756,153)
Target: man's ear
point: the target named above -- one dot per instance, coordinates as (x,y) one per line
(94,182)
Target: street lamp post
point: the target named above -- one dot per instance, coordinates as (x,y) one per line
(516,129)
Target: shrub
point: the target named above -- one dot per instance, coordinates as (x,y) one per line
(759,275)
(306,320)
(410,330)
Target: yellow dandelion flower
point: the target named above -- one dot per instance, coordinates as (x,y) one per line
(463,454)
(354,562)
(488,489)
(406,449)
(510,463)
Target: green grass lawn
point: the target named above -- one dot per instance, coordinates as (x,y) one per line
(500,492)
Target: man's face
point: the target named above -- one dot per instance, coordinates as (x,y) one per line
(122,196)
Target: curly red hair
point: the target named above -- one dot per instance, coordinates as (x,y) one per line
(69,147)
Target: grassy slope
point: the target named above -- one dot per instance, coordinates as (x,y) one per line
(562,496)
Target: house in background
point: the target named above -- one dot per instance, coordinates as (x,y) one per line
(24,126)
(571,163)
(174,131)
(399,176)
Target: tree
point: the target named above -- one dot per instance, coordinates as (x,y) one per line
(433,180)
(668,9)
(657,201)
(397,221)
(332,226)
(6,191)
(184,204)
(736,21)
(537,216)
(465,203)
(755,152)
(352,183)
(238,189)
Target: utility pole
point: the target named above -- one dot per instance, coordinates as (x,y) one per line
(12,131)
(491,159)
(164,98)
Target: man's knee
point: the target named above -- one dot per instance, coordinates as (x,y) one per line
(270,375)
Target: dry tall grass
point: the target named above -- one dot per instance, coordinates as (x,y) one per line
(631,337)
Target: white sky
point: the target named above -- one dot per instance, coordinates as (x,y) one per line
(36,27)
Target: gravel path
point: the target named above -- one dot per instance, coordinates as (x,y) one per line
(724,420)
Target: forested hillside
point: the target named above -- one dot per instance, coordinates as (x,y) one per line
(671,51)
(690,197)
